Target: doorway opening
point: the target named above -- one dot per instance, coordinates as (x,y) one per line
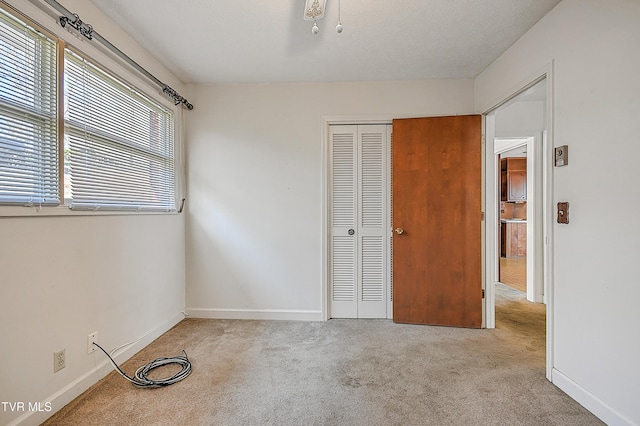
(517,211)
(513,218)
(518,162)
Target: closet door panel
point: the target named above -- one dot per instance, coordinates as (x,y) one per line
(372,215)
(343,209)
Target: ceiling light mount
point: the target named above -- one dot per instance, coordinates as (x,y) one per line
(314,10)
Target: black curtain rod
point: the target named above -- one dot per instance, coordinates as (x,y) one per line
(73,20)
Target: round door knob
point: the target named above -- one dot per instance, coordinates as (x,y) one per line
(351,231)
(399,231)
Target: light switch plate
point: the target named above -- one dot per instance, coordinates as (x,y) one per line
(563,212)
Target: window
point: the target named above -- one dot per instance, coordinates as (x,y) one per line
(118,143)
(107,147)
(28,115)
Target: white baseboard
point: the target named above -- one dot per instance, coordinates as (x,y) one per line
(255,314)
(589,401)
(84,382)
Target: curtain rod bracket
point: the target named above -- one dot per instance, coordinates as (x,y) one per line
(84,29)
(177,99)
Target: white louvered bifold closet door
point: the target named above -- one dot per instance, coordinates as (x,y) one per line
(359,241)
(342,257)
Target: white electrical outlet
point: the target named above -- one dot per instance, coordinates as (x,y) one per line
(93,337)
(58,361)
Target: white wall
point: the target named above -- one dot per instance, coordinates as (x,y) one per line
(254,205)
(520,119)
(594,49)
(64,277)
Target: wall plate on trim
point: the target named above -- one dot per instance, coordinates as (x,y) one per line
(562,156)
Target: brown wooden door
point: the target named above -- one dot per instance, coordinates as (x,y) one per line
(436,220)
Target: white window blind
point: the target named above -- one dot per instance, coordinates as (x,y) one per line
(28,127)
(119,147)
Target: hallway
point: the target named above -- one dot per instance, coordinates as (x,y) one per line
(524,319)
(513,272)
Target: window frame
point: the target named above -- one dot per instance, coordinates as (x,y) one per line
(115,67)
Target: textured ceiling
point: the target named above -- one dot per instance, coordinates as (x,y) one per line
(241,41)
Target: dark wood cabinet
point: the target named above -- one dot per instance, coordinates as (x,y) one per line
(513,179)
(514,239)
(517,186)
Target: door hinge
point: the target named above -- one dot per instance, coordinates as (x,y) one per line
(483,293)
(482,216)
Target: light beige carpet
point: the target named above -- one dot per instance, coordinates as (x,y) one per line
(341,372)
